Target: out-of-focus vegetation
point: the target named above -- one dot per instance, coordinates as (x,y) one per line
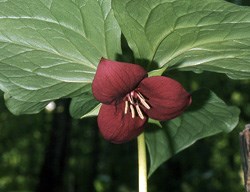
(68,155)
(92,164)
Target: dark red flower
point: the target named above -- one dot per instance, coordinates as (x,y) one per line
(129,97)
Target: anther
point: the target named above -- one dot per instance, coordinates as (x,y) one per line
(140,95)
(138,110)
(126,107)
(132,110)
(142,100)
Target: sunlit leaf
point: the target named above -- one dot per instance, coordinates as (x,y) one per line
(189,35)
(50,48)
(208,115)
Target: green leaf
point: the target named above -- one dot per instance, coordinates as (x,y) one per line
(94,112)
(21,107)
(188,34)
(208,115)
(83,106)
(50,48)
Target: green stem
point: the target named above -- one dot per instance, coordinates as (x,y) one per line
(142,163)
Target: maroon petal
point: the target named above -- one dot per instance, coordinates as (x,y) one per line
(117,127)
(166,97)
(113,80)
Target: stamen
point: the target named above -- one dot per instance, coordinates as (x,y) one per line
(126,107)
(139,111)
(132,111)
(142,100)
(134,101)
(140,95)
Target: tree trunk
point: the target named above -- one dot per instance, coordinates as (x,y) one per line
(56,153)
(95,143)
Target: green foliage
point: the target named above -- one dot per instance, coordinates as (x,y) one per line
(50,49)
(84,105)
(188,35)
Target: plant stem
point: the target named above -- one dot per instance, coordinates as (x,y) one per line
(142,163)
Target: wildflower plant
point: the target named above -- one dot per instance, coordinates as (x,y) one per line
(52,49)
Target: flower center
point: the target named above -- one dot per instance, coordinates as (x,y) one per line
(133,102)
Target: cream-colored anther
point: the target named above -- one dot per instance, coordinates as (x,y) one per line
(132,110)
(143,102)
(139,94)
(138,110)
(126,107)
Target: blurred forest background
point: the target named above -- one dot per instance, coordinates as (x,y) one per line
(51,152)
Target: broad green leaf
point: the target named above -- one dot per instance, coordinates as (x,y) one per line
(188,34)
(49,49)
(208,115)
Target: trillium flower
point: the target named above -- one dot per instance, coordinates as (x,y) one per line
(129,97)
